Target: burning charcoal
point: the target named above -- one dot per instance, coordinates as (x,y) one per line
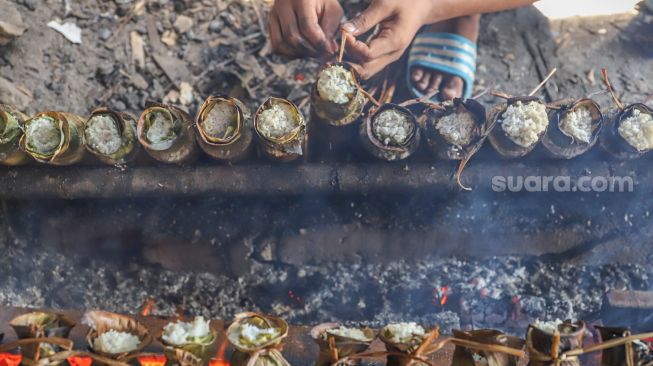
(55,138)
(479,348)
(630,135)
(224,128)
(115,336)
(11,129)
(337,98)
(167,135)
(111,136)
(574,129)
(452,128)
(406,338)
(547,341)
(281,130)
(188,343)
(345,342)
(258,340)
(390,133)
(520,124)
(41,325)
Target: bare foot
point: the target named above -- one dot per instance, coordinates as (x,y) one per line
(427,81)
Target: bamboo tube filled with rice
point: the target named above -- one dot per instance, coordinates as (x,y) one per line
(281,130)
(336,98)
(258,340)
(390,133)
(520,125)
(347,341)
(55,138)
(546,341)
(11,130)
(405,338)
(630,135)
(452,127)
(41,325)
(167,135)
(574,129)
(111,136)
(115,336)
(483,348)
(224,128)
(192,340)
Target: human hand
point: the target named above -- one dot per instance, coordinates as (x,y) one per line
(304,27)
(399,22)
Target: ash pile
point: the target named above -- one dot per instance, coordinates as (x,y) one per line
(503,292)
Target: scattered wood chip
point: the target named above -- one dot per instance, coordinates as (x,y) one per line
(14,95)
(174,68)
(8,32)
(183,23)
(138,52)
(185,93)
(136,79)
(169,37)
(69,30)
(591,77)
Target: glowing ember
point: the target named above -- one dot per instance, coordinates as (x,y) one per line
(148,306)
(152,360)
(295,297)
(79,361)
(217,362)
(444,297)
(8,359)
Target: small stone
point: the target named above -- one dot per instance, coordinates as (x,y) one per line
(183,23)
(29,4)
(215,26)
(172,97)
(105,34)
(185,93)
(119,105)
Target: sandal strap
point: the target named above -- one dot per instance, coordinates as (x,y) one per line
(446,52)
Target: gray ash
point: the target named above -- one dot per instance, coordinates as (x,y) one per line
(502,292)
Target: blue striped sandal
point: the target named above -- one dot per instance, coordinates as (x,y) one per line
(448,53)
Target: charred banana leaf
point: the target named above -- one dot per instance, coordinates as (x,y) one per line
(55,138)
(166,133)
(281,130)
(41,325)
(519,126)
(545,346)
(11,129)
(451,129)
(100,322)
(390,133)
(224,128)
(341,346)
(111,136)
(258,340)
(630,135)
(471,356)
(337,98)
(573,129)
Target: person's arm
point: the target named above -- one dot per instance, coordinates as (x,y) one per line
(400,20)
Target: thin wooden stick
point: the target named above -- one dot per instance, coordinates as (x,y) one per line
(606,80)
(343,42)
(501,94)
(546,79)
(370,97)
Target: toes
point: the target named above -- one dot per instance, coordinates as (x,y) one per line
(453,88)
(417,74)
(424,83)
(436,80)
